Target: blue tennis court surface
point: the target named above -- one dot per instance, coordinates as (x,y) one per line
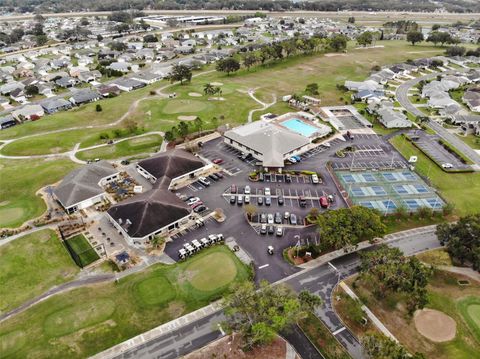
(387,191)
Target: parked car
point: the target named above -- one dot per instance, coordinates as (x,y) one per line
(263,218)
(271,230)
(217,161)
(270,250)
(324,202)
(286,215)
(192,200)
(278,218)
(302,201)
(233,189)
(247,190)
(297,158)
(205,242)
(233,199)
(219,175)
(293,219)
(268,201)
(204,181)
(447,165)
(288,178)
(182,253)
(349,135)
(270,218)
(292,159)
(280,200)
(247,199)
(240,200)
(263,229)
(213,177)
(315,179)
(199,209)
(259,201)
(267,191)
(279,232)
(196,204)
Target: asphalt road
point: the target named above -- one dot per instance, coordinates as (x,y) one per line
(320,280)
(402,97)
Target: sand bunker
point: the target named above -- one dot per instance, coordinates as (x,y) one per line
(216,99)
(194,94)
(187,118)
(216,84)
(333,55)
(435,325)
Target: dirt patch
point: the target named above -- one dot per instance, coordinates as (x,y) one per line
(194,94)
(231,347)
(216,84)
(435,325)
(187,118)
(4,203)
(176,309)
(334,55)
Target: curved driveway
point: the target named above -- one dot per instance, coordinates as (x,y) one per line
(402,97)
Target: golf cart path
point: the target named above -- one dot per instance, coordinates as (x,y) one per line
(251,93)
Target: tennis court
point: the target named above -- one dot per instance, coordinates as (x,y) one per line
(81,251)
(388,190)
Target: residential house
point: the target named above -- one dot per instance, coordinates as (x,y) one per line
(147,77)
(89,76)
(108,90)
(82,96)
(7,121)
(55,105)
(28,112)
(127,84)
(471,97)
(66,82)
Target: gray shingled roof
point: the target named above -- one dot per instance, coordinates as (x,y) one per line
(148,212)
(171,164)
(268,139)
(82,183)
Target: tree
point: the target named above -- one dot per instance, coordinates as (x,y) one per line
(349,226)
(84,21)
(351,20)
(98,107)
(208,89)
(312,89)
(391,271)
(378,346)
(435,27)
(169,136)
(365,38)
(439,37)
(259,315)
(41,40)
(38,18)
(31,90)
(99,37)
(249,60)
(455,51)
(118,46)
(150,38)
(183,129)
(181,73)
(198,122)
(309,300)
(414,37)
(338,43)
(462,239)
(38,29)
(157,241)
(228,65)
(250,210)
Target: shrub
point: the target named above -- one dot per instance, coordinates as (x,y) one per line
(98,108)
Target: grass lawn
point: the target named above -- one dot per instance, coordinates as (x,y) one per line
(30,265)
(436,257)
(132,147)
(86,254)
(445,295)
(395,224)
(161,114)
(88,320)
(19,180)
(471,140)
(460,189)
(321,337)
(470,309)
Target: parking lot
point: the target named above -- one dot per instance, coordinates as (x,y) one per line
(429,144)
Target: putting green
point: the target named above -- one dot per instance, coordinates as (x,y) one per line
(12,342)
(10,215)
(181,106)
(211,272)
(155,291)
(75,317)
(470,309)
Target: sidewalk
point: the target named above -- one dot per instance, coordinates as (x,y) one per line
(158,331)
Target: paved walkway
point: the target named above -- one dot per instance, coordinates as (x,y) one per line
(264,105)
(468,272)
(369,313)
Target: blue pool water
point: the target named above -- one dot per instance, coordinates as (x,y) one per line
(300,127)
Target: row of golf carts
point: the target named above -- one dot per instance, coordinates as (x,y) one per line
(189,249)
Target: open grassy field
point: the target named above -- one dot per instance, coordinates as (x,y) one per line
(281,78)
(19,181)
(471,140)
(445,295)
(30,265)
(460,189)
(88,320)
(82,248)
(132,147)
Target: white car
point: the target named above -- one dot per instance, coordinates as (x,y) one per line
(193,201)
(315,179)
(247,190)
(270,219)
(267,191)
(447,165)
(293,160)
(247,199)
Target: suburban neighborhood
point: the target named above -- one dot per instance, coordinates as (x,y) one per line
(200,182)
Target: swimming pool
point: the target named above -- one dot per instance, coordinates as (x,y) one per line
(300,127)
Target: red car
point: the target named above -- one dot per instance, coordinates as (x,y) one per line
(217,161)
(324,202)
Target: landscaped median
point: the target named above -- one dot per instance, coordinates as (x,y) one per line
(85,321)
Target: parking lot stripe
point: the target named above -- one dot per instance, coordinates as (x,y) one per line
(264,266)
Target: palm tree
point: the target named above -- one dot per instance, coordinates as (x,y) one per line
(198,124)
(208,89)
(157,241)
